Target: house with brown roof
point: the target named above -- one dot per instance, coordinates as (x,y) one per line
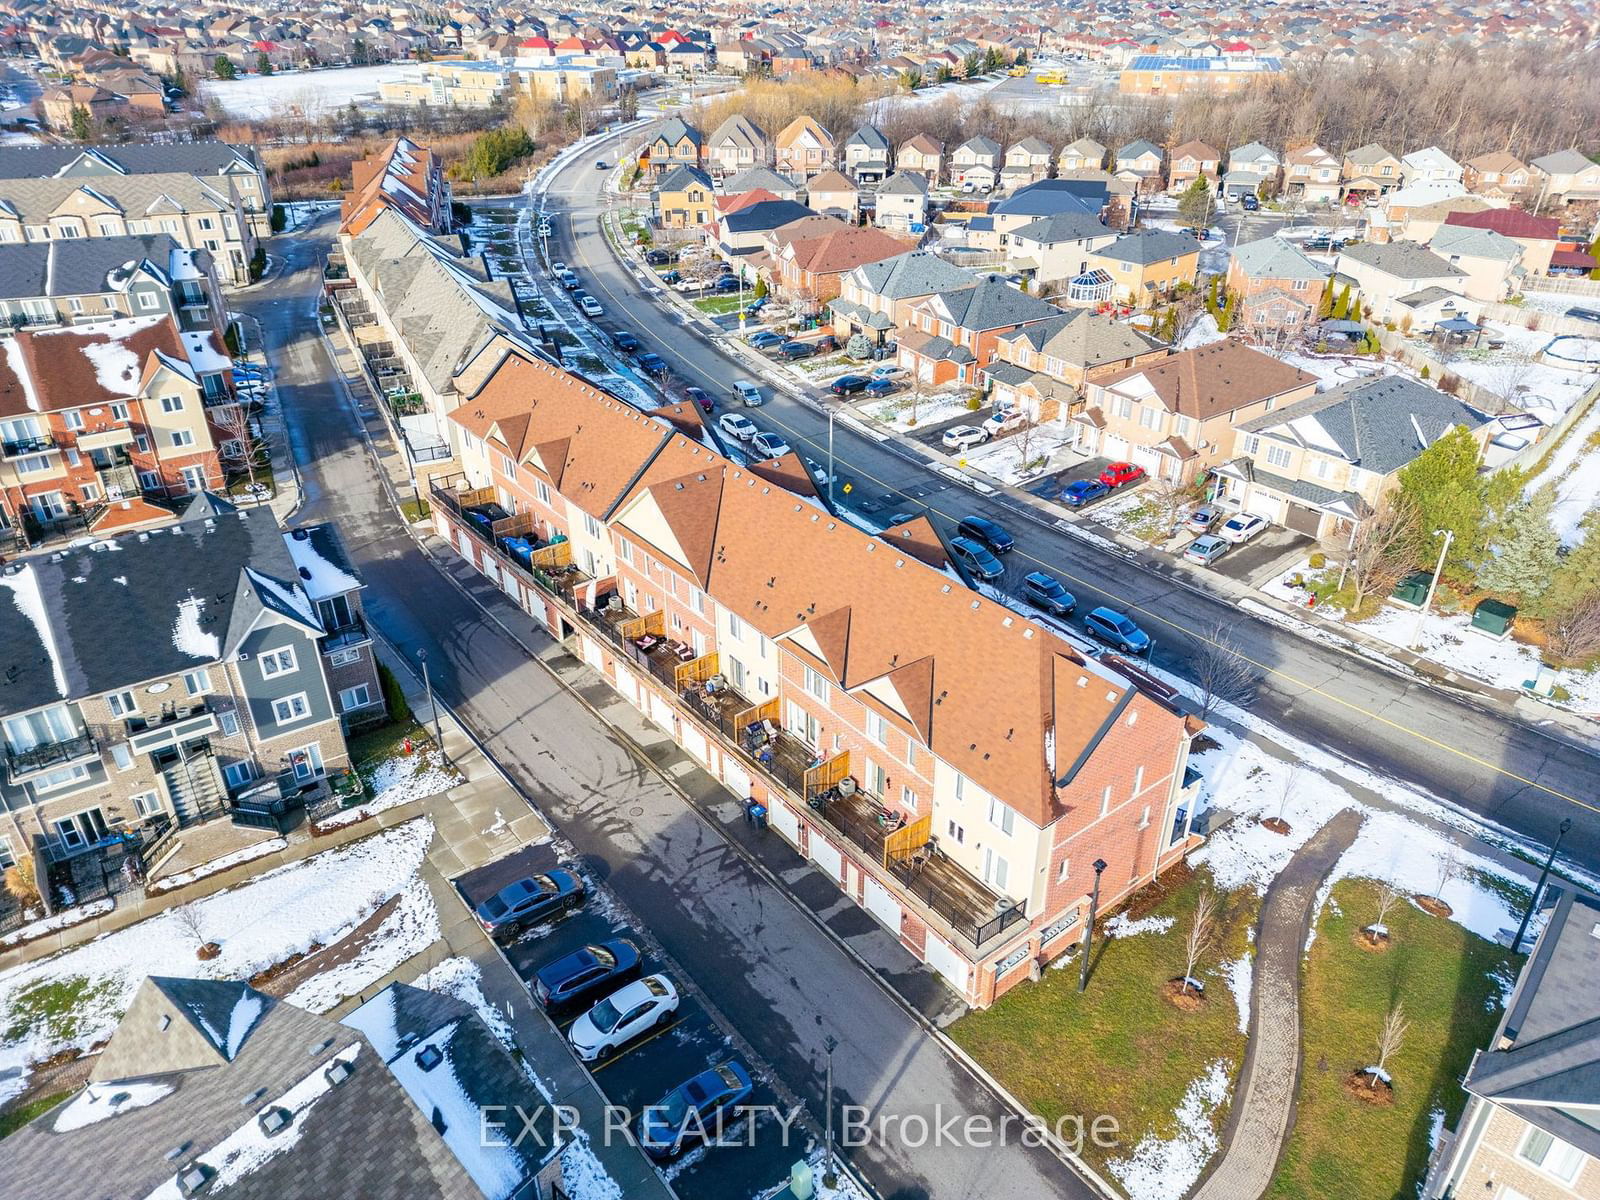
(1191,161)
(1498,175)
(834,194)
(803,148)
(405,176)
(1369,171)
(841,679)
(1175,416)
(809,265)
(1041,369)
(1311,174)
(922,154)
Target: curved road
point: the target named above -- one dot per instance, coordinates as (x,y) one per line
(1498,767)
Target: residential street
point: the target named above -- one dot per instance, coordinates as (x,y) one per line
(1502,769)
(768,969)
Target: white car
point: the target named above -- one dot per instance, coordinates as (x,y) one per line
(888,371)
(1241,527)
(1003,422)
(558,268)
(635,1009)
(769,445)
(591,306)
(738,426)
(964,437)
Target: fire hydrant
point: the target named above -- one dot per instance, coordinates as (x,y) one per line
(405,746)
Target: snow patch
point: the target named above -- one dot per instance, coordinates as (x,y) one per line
(167,883)
(1120,926)
(99,1102)
(187,635)
(407,931)
(61,920)
(1160,1168)
(24,588)
(1240,973)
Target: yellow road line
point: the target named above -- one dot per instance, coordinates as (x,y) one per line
(616,1058)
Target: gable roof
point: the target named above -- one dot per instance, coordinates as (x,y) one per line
(1403,260)
(992,303)
(680,177)
(1196,150)
(904,183)
(1211,380)
(133,158)
(915,273)
(1146,246)
(1138,148)
(1084,338)
(739,130)
(68,366)
(841,250)
(674,130)
(1473,242)
(1062,227)
(1045,197)
(1275,258)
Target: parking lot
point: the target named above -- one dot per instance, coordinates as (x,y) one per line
(641,1073)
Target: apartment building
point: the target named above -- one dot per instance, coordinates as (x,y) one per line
(955,769)
(159,675)
(97,420)
(102,279)
(1179,75)
(1528,1130)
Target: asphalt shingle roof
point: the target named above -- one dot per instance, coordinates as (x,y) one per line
(917,273)
(135,158)
(1062,227)
(1149,246)
(1274,258)
(76,266)
(1403,260)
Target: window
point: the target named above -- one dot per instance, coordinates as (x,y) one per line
(1279,456)
(697,601)
(1551,1155)
(236,775)
(182,437)
(592,527)
(344,658)
(122,704)
(277,662)
(141,443)
(291,709)
(356,697)
(122,755)
(1149,416)
(625,550)
(1144,818)
(908,798)
(1063,871)
(73,419)
(60,780)
(1252,443)
(148,300)
(150,481)
(1138,780)
(171,404)
(877,728)
(196,682)
(34,463)
(542,490)
(146,804)
(228,722)
(735,626)
(71,457)
(958,835)
(816,685)
(1001,817)
(1105,800)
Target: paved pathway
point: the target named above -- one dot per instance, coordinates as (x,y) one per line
(1263,1104)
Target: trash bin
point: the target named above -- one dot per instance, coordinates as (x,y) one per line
(1494,617)
(1413,589)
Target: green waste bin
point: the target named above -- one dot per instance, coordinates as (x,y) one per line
(1413,589)
(1494,617)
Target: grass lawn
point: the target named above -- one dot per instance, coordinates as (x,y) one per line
(1442,974)
(374,746)
(19,1116)
(1119,1048)
(717,306)
(414,510)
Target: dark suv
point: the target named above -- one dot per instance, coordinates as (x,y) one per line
(992,535)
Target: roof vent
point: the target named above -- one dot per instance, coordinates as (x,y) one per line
(305,573)
(253,1098)
(178,1151)
(946,589)
(429,1057)
(194,1179)
(274,1120)
(317,1048)
(1083,681)
(338,1071)
(300,535)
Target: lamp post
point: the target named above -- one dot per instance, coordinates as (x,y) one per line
(1433,584)
(427,683)
(1533,900)
(1088,930)
(830,1044)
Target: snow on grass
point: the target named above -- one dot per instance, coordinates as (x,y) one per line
(217,865)
(1160,1168)
(934,408)
(1544,388)
(407,931)
(1119,926)
(396,781)
(1574,468)
(62,920)
(1017,458)
(255,97)
(73,1000)
(1239,973)
(1205,332)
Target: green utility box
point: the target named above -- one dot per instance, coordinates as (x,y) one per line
(1494,618)
(1413,589)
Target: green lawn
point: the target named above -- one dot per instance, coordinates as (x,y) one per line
(716,306)
(1118,1048)
(16,1118)
(1442,974)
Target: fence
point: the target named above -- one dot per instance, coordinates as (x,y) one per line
(1529,455)
(1537,318)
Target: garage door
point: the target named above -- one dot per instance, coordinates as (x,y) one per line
(785,821)
(943,959)
(826,855)
(661,713)
(1112,446)
(735,778)
(881,904)
(692,740)
(1302,519)
(593,656)
(628,686)
(1263,504)
(1147,458)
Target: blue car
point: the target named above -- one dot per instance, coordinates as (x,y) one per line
(585,975)
(652,364)
(728,283)
(694,1110)
(529,902)
(1080,491)
(976,558)
(882,387)
(1115,629)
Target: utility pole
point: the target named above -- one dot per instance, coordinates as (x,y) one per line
(830,1043)
(1433,584)
(1533,900)
(433,707)
(1088,930)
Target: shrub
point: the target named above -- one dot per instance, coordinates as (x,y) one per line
(258,263)
(859,347)
(230,339)
(394,696)
(1425,371)
(1318,561)
(975,401)
(279,218)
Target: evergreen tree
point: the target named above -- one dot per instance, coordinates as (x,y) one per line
(1521,556)
(1230,314)
(180,79)
(1195,205)
(81,126)
(1325,305)
(263,64)
(1341,308)
(223,69)
(1444,483)
(1578,574)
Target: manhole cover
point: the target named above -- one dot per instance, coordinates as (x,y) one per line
(636,812)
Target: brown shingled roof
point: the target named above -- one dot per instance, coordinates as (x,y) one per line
(1214,379)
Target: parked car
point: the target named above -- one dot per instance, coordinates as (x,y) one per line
(1584,314)
(529,901)
(1081,491)
(1047,592)
(625,341)
(569,281)
(769,445)
(848,385)
(900,518)
(738,426)
(652,363)
(1249,203)
(600,164)
(1119,473)
(698,395)
(728,283)
(975,557)
(1321,242)
(1116,629)
(992,534)
(591,306)
(748,394)
(1206,549)
(797,350)
(634,1009)
(881,386)
(1201,520)
(584,975)
(997,423)
(826,343)
(765,340)
(693,1110)
(963,437)
(887,371)
(558,268)
(1241,527)
(659,258)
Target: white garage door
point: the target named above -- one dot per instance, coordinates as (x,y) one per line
(593,656)
(943,959)
(735,778)
(694,742)
(1147,458)
(628,686)
(661,713)
(1263,504)
(826,855)
(1112,446)
(785,821)
(881,904)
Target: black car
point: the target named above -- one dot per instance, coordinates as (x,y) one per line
(672,276)
(653,363)
(660,258)
(1584,314)
(585,975)
(981,529)
(847,385)
(1047,592)
(529,901)
(797,350)
(625,341)
(900,518)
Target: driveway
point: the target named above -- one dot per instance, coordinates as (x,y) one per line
(1251,563)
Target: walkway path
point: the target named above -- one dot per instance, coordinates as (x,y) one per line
(1263,1106)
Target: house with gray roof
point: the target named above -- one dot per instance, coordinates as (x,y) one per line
(1041,368)
(868,156)
(83,280)
(676,144)
(1319,464)
(1139,163)
(1492,262)
(764,179)
(1279,285)
(902,202)
(947,335)
(1147,262)
(210,1087)
(1565,177)
(875,298)
(1401,279)
(736,145)
(1529,1123)
(1057,247)
(975,164)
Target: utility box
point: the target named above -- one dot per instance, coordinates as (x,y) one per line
(1494,618)
(1413,589)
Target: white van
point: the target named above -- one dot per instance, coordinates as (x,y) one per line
(747,393)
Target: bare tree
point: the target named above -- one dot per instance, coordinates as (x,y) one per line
(1168,501)
(1201,937)
(1291,782)
(239,432)
(1575,631)
(1221,672)
(190,923)
(1390,1039)
(1508,375)
(1450,867)
(1383,547)
(1388,897)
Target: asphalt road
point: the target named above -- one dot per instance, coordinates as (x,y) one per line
(1502,769)
(768,970)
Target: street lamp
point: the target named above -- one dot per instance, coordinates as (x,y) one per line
(1433,584)
(1088,930)
(1533,900)
(830,1044)
(427,683)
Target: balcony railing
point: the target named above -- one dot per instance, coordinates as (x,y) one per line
(22,763)
(353,634)
(17,447)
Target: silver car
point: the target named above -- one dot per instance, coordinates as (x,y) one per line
(1206,550)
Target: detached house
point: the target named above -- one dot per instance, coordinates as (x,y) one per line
(875,299)
(1175,416)
(1028,161)
(1042,368)
(1370,171)
(1279,285)
(1190,161)
(1311,174)
(867,155)
(1563,178)
(803,148)
(811,268)
(1056,247)
(1497,175)
(1538,236)
(676,144)
(1147,263)
(833,194)
(1492,263)
(950,335)
(684,199)
(1250,168)
(736,145)
(902,202)
(1431,165)
(1139,163)
(923,155)
(1322,463)
(976,163)
(1397,280)
(1085,154)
